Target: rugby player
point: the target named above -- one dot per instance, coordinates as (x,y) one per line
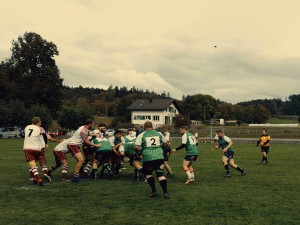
(33,143)
(149,144)
(264,142)
(118,154)
(188,141)
(72,145)
(225,143)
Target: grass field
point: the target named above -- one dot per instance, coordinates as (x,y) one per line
(266,195)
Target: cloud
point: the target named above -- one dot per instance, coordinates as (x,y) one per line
(168,45)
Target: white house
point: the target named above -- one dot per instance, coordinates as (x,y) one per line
(159,111)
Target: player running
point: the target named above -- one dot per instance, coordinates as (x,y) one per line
(188,141)
(264,142)
(149,144)
(225,143)
(32,147)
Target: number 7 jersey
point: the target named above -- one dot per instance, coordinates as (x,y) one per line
(33,138)
(151,141)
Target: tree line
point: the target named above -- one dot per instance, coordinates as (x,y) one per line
(30,84)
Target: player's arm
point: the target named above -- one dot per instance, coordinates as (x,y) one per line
(183,143)
(215,147)
(258,142)
(88,142)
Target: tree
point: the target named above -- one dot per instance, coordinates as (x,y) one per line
(33,71)
(181,120)
(72,118)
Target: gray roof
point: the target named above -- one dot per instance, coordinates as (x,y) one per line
(153,104)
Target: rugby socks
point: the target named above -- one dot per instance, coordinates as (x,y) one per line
(45,170)
(87,169)
(192,175)
(188,173)
(163,184)
(64,172)
(36,175)
(263,159)
(151,182)
(239,169)
(31,173)
(227,168)
(266,159)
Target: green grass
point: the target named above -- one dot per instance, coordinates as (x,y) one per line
(275,120)
(266,195)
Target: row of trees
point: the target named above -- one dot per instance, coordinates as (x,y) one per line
(30,84)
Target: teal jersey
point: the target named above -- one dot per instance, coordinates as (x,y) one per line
(129,149)
(129,139)
(105,145)
(150,142)
(223,143)
(190,141)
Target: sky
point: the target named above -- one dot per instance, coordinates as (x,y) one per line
(233,50)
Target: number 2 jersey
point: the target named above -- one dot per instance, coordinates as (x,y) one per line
(151,141)
(190,141)
(33,138)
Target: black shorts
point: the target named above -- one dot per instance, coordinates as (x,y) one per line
(264,149)
(155,165)
(167,152)
(103,156)
(191,158)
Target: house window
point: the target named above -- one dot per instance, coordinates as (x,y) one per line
(142,117)
(172,109)
(155,118)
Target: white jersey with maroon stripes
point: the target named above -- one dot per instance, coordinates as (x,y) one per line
(62,146)
(33,139)
(79,136)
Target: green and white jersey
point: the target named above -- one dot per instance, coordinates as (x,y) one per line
(150,142)
(130,138)
(105,145)
(129,149)
(224,141)
(190,141)
(115,141)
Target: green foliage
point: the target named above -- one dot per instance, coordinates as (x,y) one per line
(72,118)
(15,113)
(32,72)
(210,200)
(181,120)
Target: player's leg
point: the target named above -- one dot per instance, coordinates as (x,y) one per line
(57,156)
(185,167)
(159,170)
(64,170)
(224,161)
(148,170)
(265,153)
(42,161)
(235,166)
(79,158)
(31,157)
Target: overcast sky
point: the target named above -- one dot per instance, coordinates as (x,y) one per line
(168,45)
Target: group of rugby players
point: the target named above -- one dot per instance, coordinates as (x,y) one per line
(146,152)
